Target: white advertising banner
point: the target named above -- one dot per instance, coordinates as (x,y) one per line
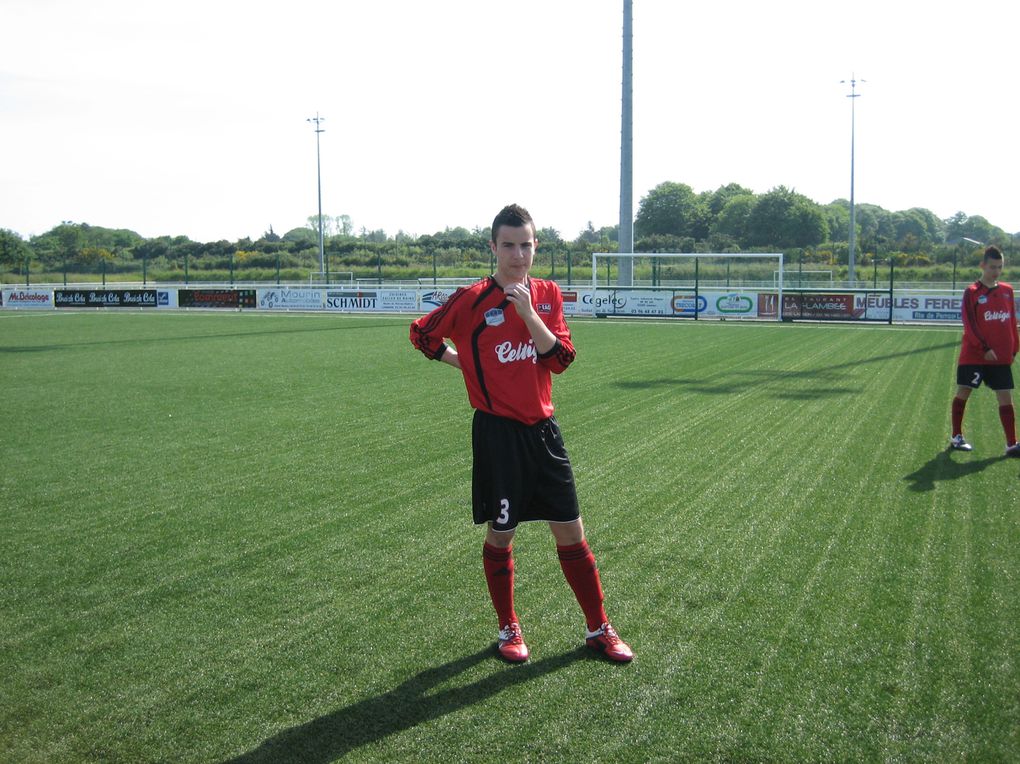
(722,304)
(910,307)
(288,298)
(166,298)
(921,307)
(605,301)
(398,300)
(940,307)
(430,299)
(27,297)
(576,302)
(371,300)
(353,301)
(667,302)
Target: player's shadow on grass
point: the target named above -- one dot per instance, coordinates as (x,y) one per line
(802,385)
(329,737)
(146,341)
(944,467)
(796,384)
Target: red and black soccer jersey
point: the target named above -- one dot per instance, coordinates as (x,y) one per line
(989,322)
(503,372)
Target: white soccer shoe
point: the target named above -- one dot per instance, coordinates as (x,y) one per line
(959,444)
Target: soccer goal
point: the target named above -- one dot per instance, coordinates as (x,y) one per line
(702,285)
(331,277)
(811,278)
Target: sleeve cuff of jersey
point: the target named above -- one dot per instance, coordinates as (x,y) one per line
(438,355)
(552,351)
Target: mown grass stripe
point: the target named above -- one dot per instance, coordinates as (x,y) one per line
(290,567)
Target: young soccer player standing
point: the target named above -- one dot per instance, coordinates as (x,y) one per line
(990,343)
(509,337)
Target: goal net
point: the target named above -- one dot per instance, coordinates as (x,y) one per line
(331,277)
(703,285)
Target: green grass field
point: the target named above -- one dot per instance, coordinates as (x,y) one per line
(246,537)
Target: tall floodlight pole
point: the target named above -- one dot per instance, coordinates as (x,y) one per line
(852,258)
(626,235)
(318,172)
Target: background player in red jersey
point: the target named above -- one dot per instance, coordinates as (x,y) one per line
(509,337)
(990,343)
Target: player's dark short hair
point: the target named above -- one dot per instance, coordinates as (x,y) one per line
(513,215)
(992,253)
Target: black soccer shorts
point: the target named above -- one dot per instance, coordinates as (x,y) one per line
(520,473)
(996,376)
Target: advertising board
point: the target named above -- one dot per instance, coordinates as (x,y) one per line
(26,298)
(216,298)
(104,298)
(291,298)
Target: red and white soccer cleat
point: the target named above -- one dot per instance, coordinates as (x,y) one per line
(606,641)
(510,644)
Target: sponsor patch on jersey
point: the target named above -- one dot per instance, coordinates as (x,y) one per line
(494,317)
(982,299)
(544,307)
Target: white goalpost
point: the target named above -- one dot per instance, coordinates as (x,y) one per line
(699,285)
(331,277)
(813,277)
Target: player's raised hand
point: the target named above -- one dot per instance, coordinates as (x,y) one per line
(519,295)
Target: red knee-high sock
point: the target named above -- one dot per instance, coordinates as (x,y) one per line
(499,575)
(582,574)
(1008,418)
(959,404)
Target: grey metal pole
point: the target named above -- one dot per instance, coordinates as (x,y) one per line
(852,258)
(625,275)
(318,172)
(976,243)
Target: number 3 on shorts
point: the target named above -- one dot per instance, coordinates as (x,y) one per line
(504,512)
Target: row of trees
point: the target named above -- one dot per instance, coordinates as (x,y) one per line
(732,218)
(672,217)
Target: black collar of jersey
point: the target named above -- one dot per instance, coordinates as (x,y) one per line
(491,287)
(493,278)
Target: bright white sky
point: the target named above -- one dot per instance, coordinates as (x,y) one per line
(189,118)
